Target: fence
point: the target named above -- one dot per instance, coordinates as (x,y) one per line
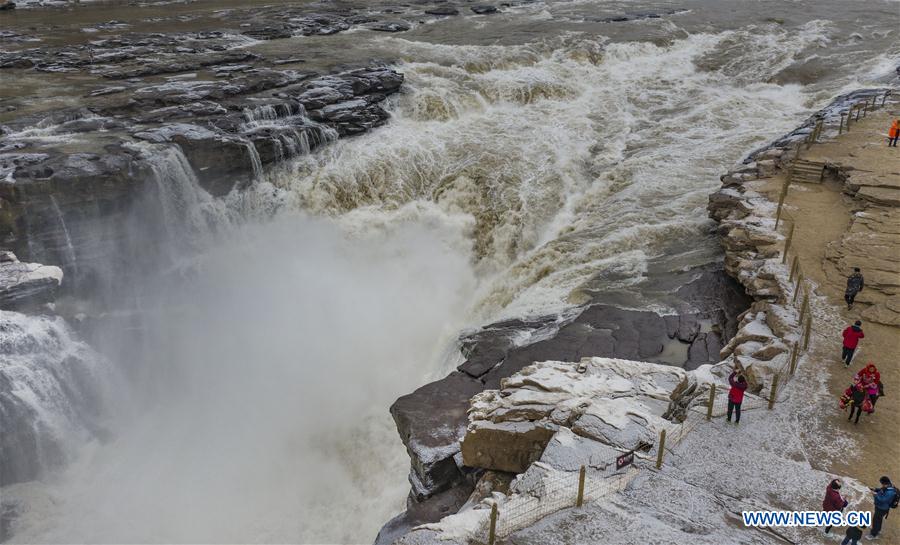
(554,490)
(860,108)
(543,491)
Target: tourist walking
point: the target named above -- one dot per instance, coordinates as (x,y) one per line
(851,335)
(736,395)
(886,498)
(833,500)
(857,399)
(894,133)
(855,284)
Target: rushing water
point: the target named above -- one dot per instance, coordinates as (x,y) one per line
(535,159)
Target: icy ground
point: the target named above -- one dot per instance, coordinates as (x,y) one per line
(719,470)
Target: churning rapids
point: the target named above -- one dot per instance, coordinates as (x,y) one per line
(535,159)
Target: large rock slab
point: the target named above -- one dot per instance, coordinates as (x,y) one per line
(431,421)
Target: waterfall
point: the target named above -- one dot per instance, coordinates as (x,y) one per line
(190,215)
(50,394)
(254,159)
(71,260)
(292,132)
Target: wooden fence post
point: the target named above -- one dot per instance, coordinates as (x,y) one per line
(712,399)
(795,354)
(773,392)
(783,195)
(799,281)
(808,332)
(787,243)
(884,98)
(814,135)
(841,126)
(794,266)
(858,111)
(492,535)
(580,499)
(662,449)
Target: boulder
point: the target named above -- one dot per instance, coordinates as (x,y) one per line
(389,26)
(483,9)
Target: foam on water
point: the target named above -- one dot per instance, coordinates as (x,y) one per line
(557,151)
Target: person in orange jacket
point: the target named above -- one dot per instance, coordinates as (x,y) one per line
(894,133)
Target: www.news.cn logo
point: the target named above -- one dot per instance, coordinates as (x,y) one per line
(806,518)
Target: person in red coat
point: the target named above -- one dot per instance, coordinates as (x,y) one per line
(852,335)
(833,500)
(736,395)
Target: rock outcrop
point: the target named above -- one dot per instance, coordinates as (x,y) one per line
(547,421)
(26,285)
(871,240)
(432,420)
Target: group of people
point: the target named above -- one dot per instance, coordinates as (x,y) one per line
(866,388)
(862,395)
(886,498)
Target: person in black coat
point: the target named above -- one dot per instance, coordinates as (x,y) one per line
(857,397)
(855,284)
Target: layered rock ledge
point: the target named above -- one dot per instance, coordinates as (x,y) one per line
(60,206)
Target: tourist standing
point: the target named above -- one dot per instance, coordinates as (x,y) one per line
(736,395)
(894,133)
(855,284)
(851,335)
(885,499)
(833,500)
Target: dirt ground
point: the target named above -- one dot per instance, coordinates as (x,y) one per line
(822,213)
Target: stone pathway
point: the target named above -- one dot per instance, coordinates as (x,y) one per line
(852,219)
